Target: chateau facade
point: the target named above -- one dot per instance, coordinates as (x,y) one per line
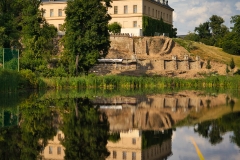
(128,13)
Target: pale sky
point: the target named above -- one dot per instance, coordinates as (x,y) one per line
(188,14)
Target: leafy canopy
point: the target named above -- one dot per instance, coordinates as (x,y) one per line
(115,27)
(87,37)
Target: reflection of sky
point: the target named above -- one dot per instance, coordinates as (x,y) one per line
(183,149)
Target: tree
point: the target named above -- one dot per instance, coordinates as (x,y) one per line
(217,28)
(231,41)
(115,27)
(174,30)
(232,64)
(192,37)
(87,36)
(208,66)
(236,20)
(10,15)
(37,37)
(203,30)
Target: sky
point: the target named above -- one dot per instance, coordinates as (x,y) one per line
(183,149)
(188,14)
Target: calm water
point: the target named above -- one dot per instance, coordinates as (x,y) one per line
(185,125)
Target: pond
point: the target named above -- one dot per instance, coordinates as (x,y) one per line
(130,124)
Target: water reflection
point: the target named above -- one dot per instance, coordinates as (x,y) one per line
(120,127)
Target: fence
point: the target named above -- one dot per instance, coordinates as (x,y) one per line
(9,59)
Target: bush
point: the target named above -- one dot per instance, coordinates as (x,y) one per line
(208,66)
(114,27)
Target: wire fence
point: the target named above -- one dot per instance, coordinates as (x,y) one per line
(9,59)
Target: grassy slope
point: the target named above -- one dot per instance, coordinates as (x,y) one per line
(208,52)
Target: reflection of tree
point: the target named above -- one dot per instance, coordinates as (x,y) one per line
(37,124)
(114,137)
(9,138)
(86,131)
(150,138)
(27,140)
(214,129)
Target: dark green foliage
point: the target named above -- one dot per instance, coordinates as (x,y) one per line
(192,37)
(218,29)
(203,30)
(87,36)
(114,137)
(151,138)
(150,26)
(208,66)
(114,27)
(30,135)
(37,38)
(86,131)
(227,69)
(10,14)
(214,129)
(232,64)
(231,41)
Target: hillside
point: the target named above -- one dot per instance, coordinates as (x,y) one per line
(166,57)
(208,52)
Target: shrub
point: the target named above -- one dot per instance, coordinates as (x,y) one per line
(208,66)
(114,27)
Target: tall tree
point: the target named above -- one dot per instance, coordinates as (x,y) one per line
(87,36)
(218,29)
(10,13)
(231,41)
(203,30)
(37,36)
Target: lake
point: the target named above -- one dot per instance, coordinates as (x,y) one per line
(130,124)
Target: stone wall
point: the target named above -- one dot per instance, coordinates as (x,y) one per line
(136,53)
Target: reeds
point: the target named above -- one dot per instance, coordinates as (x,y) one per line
(130,82)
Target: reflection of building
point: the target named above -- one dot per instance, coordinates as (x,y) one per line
(128,147)
(128,13)
(135,145)
(154,112)
(54,150)
(132,145)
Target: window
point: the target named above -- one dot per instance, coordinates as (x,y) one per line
(115,9)
(134,141)
(124,155)
(51,13)
(134,8)
(134,23)
(144,10)
(114,154)
(59,12)
(156,14)
(167,16)
(50,150)
(153,12)
(133,155)
(58,150)
(148,10)
(125,9)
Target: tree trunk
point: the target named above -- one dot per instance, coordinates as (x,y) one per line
(76,64)
(76,107)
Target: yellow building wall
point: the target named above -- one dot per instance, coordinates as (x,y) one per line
(127,20)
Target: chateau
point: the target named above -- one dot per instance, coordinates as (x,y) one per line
(129,13)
